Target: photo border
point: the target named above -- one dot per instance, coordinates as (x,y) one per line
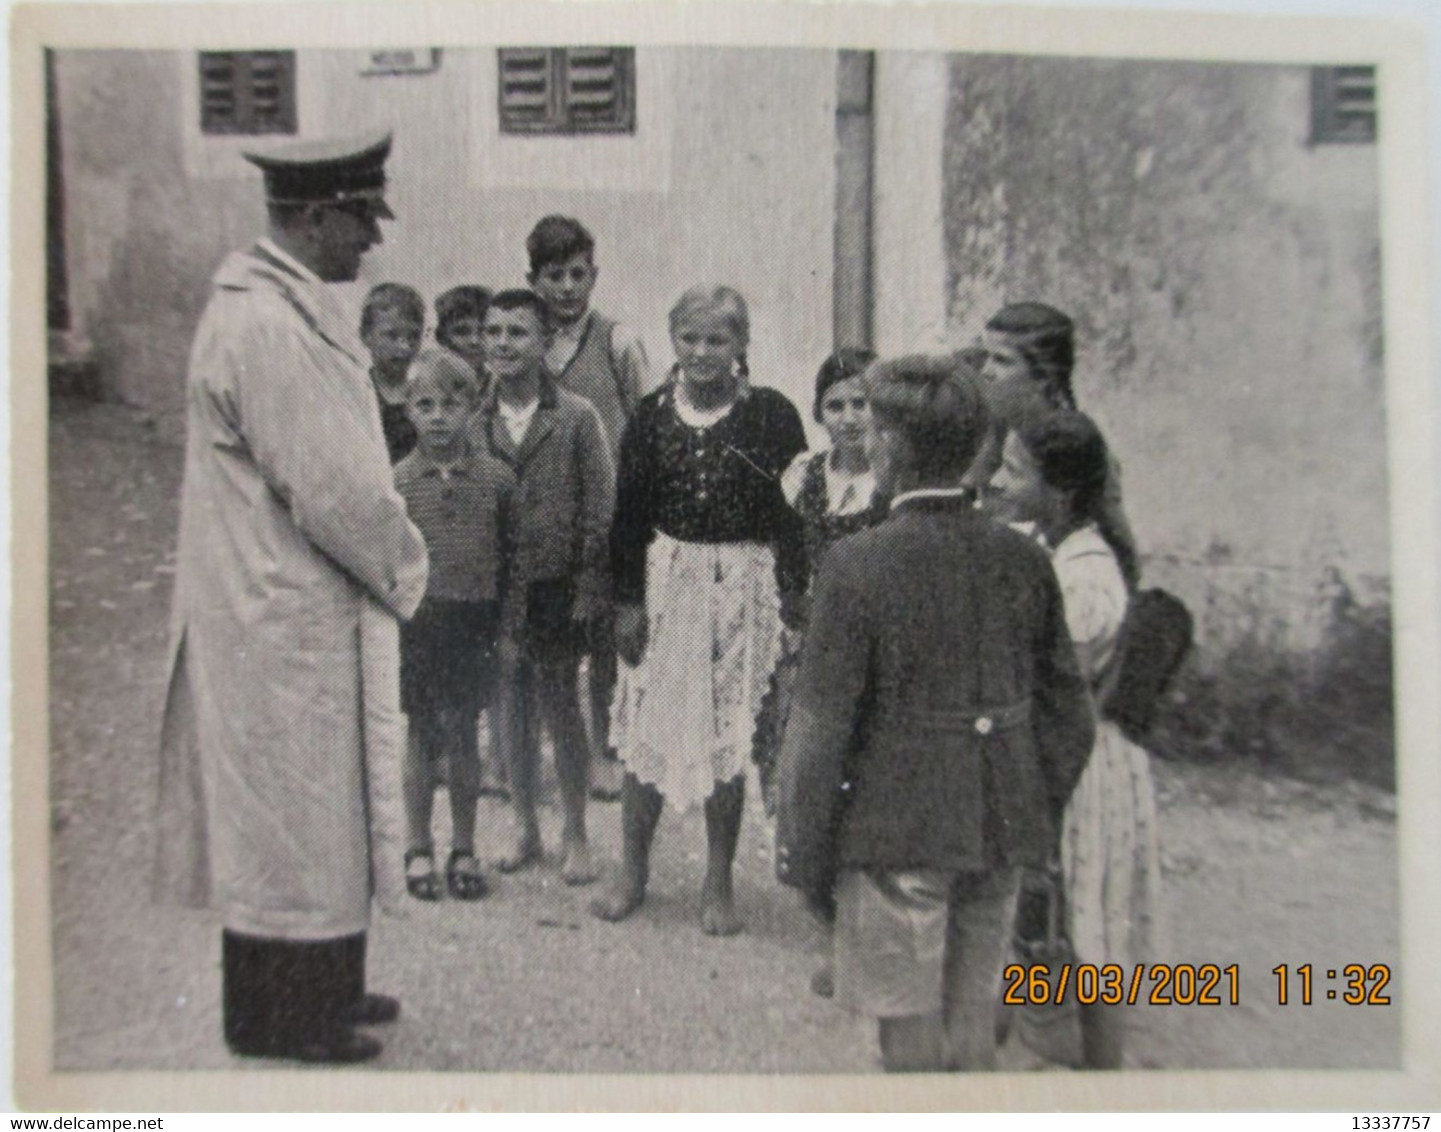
(1406,240)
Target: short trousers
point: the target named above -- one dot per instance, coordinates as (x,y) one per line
(916,941)
(551,635)
(447,657)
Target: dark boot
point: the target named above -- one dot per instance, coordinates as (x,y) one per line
(293,999)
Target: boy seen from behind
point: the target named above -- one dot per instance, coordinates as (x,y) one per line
(939,726)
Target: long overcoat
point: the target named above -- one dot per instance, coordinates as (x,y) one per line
(295,559)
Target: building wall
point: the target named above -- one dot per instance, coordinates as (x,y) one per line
(729,178)
(1224,275)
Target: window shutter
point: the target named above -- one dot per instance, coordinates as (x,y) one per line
(596,88)
(219,104)
(527,90)
(1343,104)
(567,90)
(272,92)
(247,92)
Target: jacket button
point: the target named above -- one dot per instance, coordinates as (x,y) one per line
(983,725)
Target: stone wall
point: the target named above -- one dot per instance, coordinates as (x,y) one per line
(1224,275)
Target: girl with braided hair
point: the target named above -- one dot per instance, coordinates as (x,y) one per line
(1028,353)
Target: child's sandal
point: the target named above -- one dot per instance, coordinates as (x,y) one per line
(420,879)
(465,883)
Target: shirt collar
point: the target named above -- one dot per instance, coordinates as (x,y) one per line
(549,397)
(954,494)
(276,251)
(511,413)
(573,332)
(426,466)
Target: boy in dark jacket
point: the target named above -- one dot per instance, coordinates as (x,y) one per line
(554,443)
(939,725)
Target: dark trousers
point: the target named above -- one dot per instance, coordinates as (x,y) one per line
(280,994)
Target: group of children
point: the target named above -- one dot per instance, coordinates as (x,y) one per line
(570,517)
(504,440)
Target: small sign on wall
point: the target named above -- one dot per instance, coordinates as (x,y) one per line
(401,61)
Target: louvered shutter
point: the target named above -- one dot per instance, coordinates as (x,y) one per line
(567,90)
(1343,104)
(597,88)
(527,90)
(247,92)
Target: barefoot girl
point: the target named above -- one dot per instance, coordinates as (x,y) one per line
(707,561)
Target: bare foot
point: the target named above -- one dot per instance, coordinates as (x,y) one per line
(605,776)
(578,867)
(526,852)
(717,911)
(624,896)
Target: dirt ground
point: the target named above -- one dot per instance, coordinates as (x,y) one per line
(1259,872)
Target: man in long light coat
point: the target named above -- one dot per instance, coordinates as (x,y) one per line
(295,560)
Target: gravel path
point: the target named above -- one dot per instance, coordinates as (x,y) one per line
(1259,872)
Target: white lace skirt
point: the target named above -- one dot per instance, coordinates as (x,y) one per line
(684,719)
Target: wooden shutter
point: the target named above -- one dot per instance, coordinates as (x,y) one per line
(527,90)
(598,88)
(1343,104)
(247,92)
(567,90)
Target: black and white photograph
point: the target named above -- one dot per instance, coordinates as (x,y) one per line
(618,549)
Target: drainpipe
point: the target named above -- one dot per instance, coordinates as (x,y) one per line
(853,294)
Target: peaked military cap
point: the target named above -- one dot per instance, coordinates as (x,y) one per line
(329,171)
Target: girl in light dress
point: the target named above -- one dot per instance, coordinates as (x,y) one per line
(1054,475)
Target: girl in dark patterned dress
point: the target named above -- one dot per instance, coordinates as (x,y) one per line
(834,493)
(708,561)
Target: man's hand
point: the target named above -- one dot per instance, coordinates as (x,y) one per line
(630,633)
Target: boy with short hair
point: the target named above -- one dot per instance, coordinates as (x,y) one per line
(459,325)
(604,362)
(462,500)
(554,443)
(392,321)
(939,726)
